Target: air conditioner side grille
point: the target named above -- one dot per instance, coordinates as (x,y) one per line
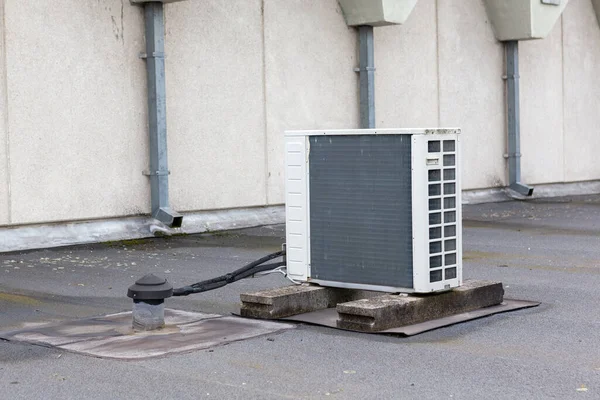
(442,210)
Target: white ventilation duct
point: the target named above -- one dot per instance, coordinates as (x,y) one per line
(523,19)
(596,4)
(376,12)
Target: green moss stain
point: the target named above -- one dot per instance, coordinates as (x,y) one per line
(19,299)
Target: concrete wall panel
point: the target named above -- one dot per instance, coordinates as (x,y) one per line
(4,134)
(215,104)
(542,109)
(582,91)
(471,64)
(310,55)
(73,134)
(406,81)
(76,109)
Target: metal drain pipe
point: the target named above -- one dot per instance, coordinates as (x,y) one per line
(366,70)
(514,115)
(157,115)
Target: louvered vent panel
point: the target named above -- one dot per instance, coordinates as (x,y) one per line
(442,211)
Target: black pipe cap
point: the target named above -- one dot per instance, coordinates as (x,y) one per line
(150,287)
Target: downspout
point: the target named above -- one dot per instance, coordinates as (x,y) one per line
(157,115)
(364,15)
(514,115)
(366,70)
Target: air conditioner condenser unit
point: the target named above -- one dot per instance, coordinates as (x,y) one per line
(374,209)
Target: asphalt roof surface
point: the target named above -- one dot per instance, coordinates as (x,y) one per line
(543,250)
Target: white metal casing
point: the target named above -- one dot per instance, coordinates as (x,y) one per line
(523,19)
(154,1)
(376,12)
(298,233)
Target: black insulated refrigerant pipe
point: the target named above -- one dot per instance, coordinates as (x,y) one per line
(244,272)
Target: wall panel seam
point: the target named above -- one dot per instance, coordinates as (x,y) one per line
(264,86)
(4,89)
(562,72)
(437,63)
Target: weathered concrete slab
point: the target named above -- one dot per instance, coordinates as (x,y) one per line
(297,299)
(391,311)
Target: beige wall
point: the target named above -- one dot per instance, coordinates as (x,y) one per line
(215,104)
(76,115)
(4,138)
(542,128)
(406,78)
(581,44)
(472,90)
(444,68)
(240,72)
(310,55)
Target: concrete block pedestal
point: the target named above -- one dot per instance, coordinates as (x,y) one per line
(366,311)
(391,311)
(298,299)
